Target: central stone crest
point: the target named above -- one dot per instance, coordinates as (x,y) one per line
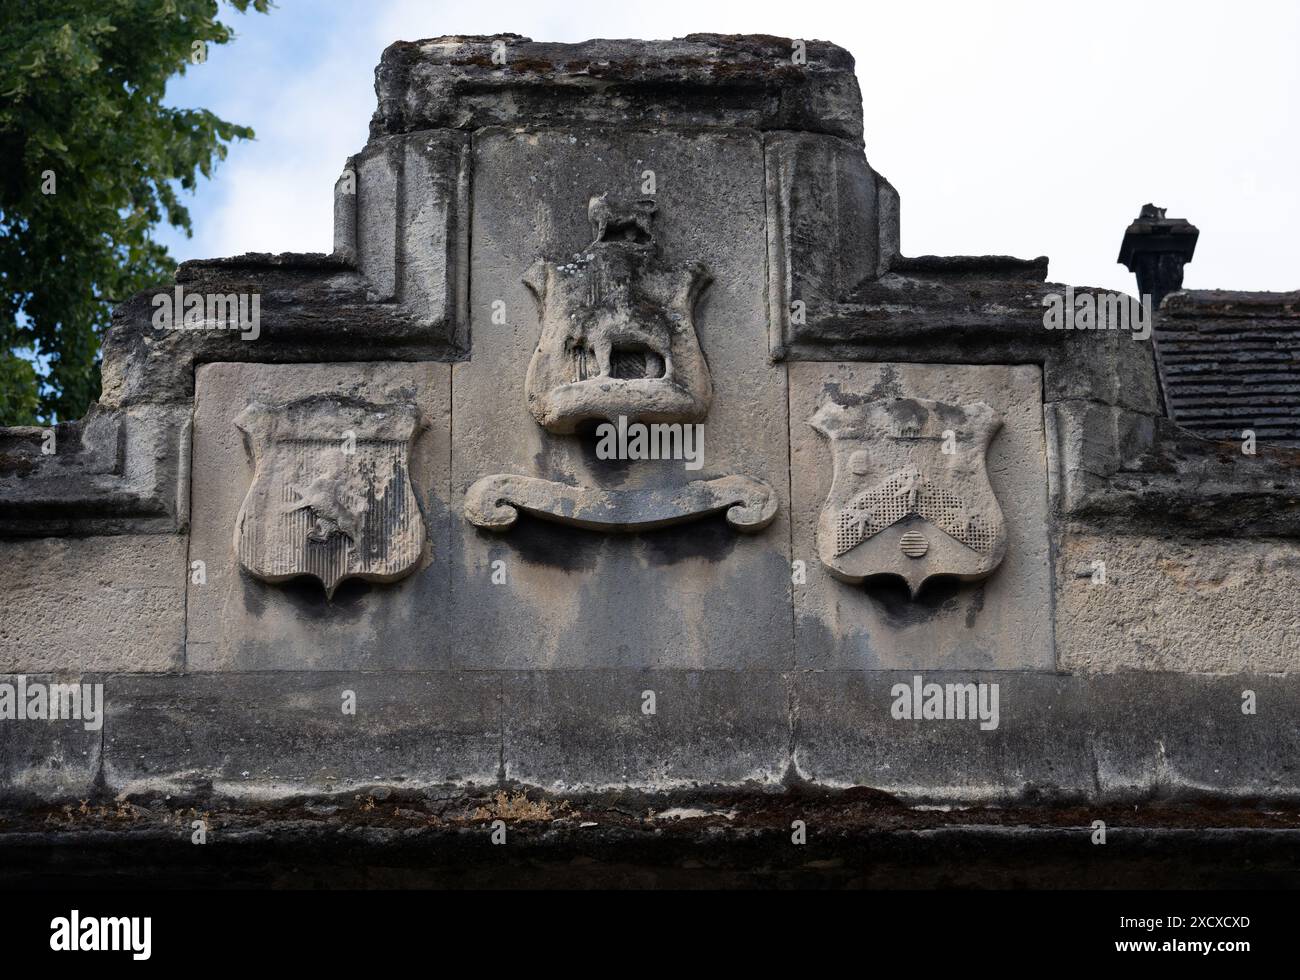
(910,494)
(617,332)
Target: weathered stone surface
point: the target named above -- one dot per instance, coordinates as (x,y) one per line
(407,223)
(100,603)
(617,337)
(846,735)
(44,761)
(1201,606)
(1119,738)
(278,734)
(574,598)
(1002,623)
(823,225)
(980,310)
(1178,736)
(113,472)
(731,81)
(570,730)
(238,622)
(313,308)
(495,502)
(1119,471)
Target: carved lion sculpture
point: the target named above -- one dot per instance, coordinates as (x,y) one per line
(620,331)
(613,223)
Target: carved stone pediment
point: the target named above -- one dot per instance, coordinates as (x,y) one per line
(617,335)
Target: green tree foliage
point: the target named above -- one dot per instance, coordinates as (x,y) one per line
(81,114)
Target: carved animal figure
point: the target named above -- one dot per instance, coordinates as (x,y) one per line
(621,331)
(611,222)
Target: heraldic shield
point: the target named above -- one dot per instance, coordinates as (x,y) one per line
(331,496)
(910,494)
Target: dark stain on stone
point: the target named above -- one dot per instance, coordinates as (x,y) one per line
(815,644)
(841,397)
(254,599)
(710,538)
(887,386)
(891,595)
(884,389)
(909,413)
(610,472)
(307,595)
(12,463)
(975,607)
(553,462)
(540,542)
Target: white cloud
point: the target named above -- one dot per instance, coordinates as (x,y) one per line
(1008,127)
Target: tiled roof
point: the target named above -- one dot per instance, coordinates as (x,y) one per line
(1230,361)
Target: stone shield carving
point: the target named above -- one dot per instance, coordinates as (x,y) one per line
(331,496)
(617,334)
(910,495)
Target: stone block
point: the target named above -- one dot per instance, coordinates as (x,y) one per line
(1000,622)
(715,80)
(822,227)
(410,214)
(43,760)
(571,730)
(1128,603)
(1179,736)
(695,595)
(846,734)
(239,622)
(286,733)
(103,603)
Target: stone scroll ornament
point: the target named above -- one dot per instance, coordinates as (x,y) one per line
(331,496)
(617,332)
(494,502)
(910,494)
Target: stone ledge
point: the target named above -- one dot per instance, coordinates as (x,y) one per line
(311,311)
(112,472)
(1126,738)
(1129,474)
(716,80)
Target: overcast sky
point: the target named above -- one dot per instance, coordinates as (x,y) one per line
(1008,128)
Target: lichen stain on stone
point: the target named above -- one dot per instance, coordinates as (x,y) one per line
(887,387)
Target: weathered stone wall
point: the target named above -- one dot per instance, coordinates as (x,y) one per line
(692,229)
(1207,607)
